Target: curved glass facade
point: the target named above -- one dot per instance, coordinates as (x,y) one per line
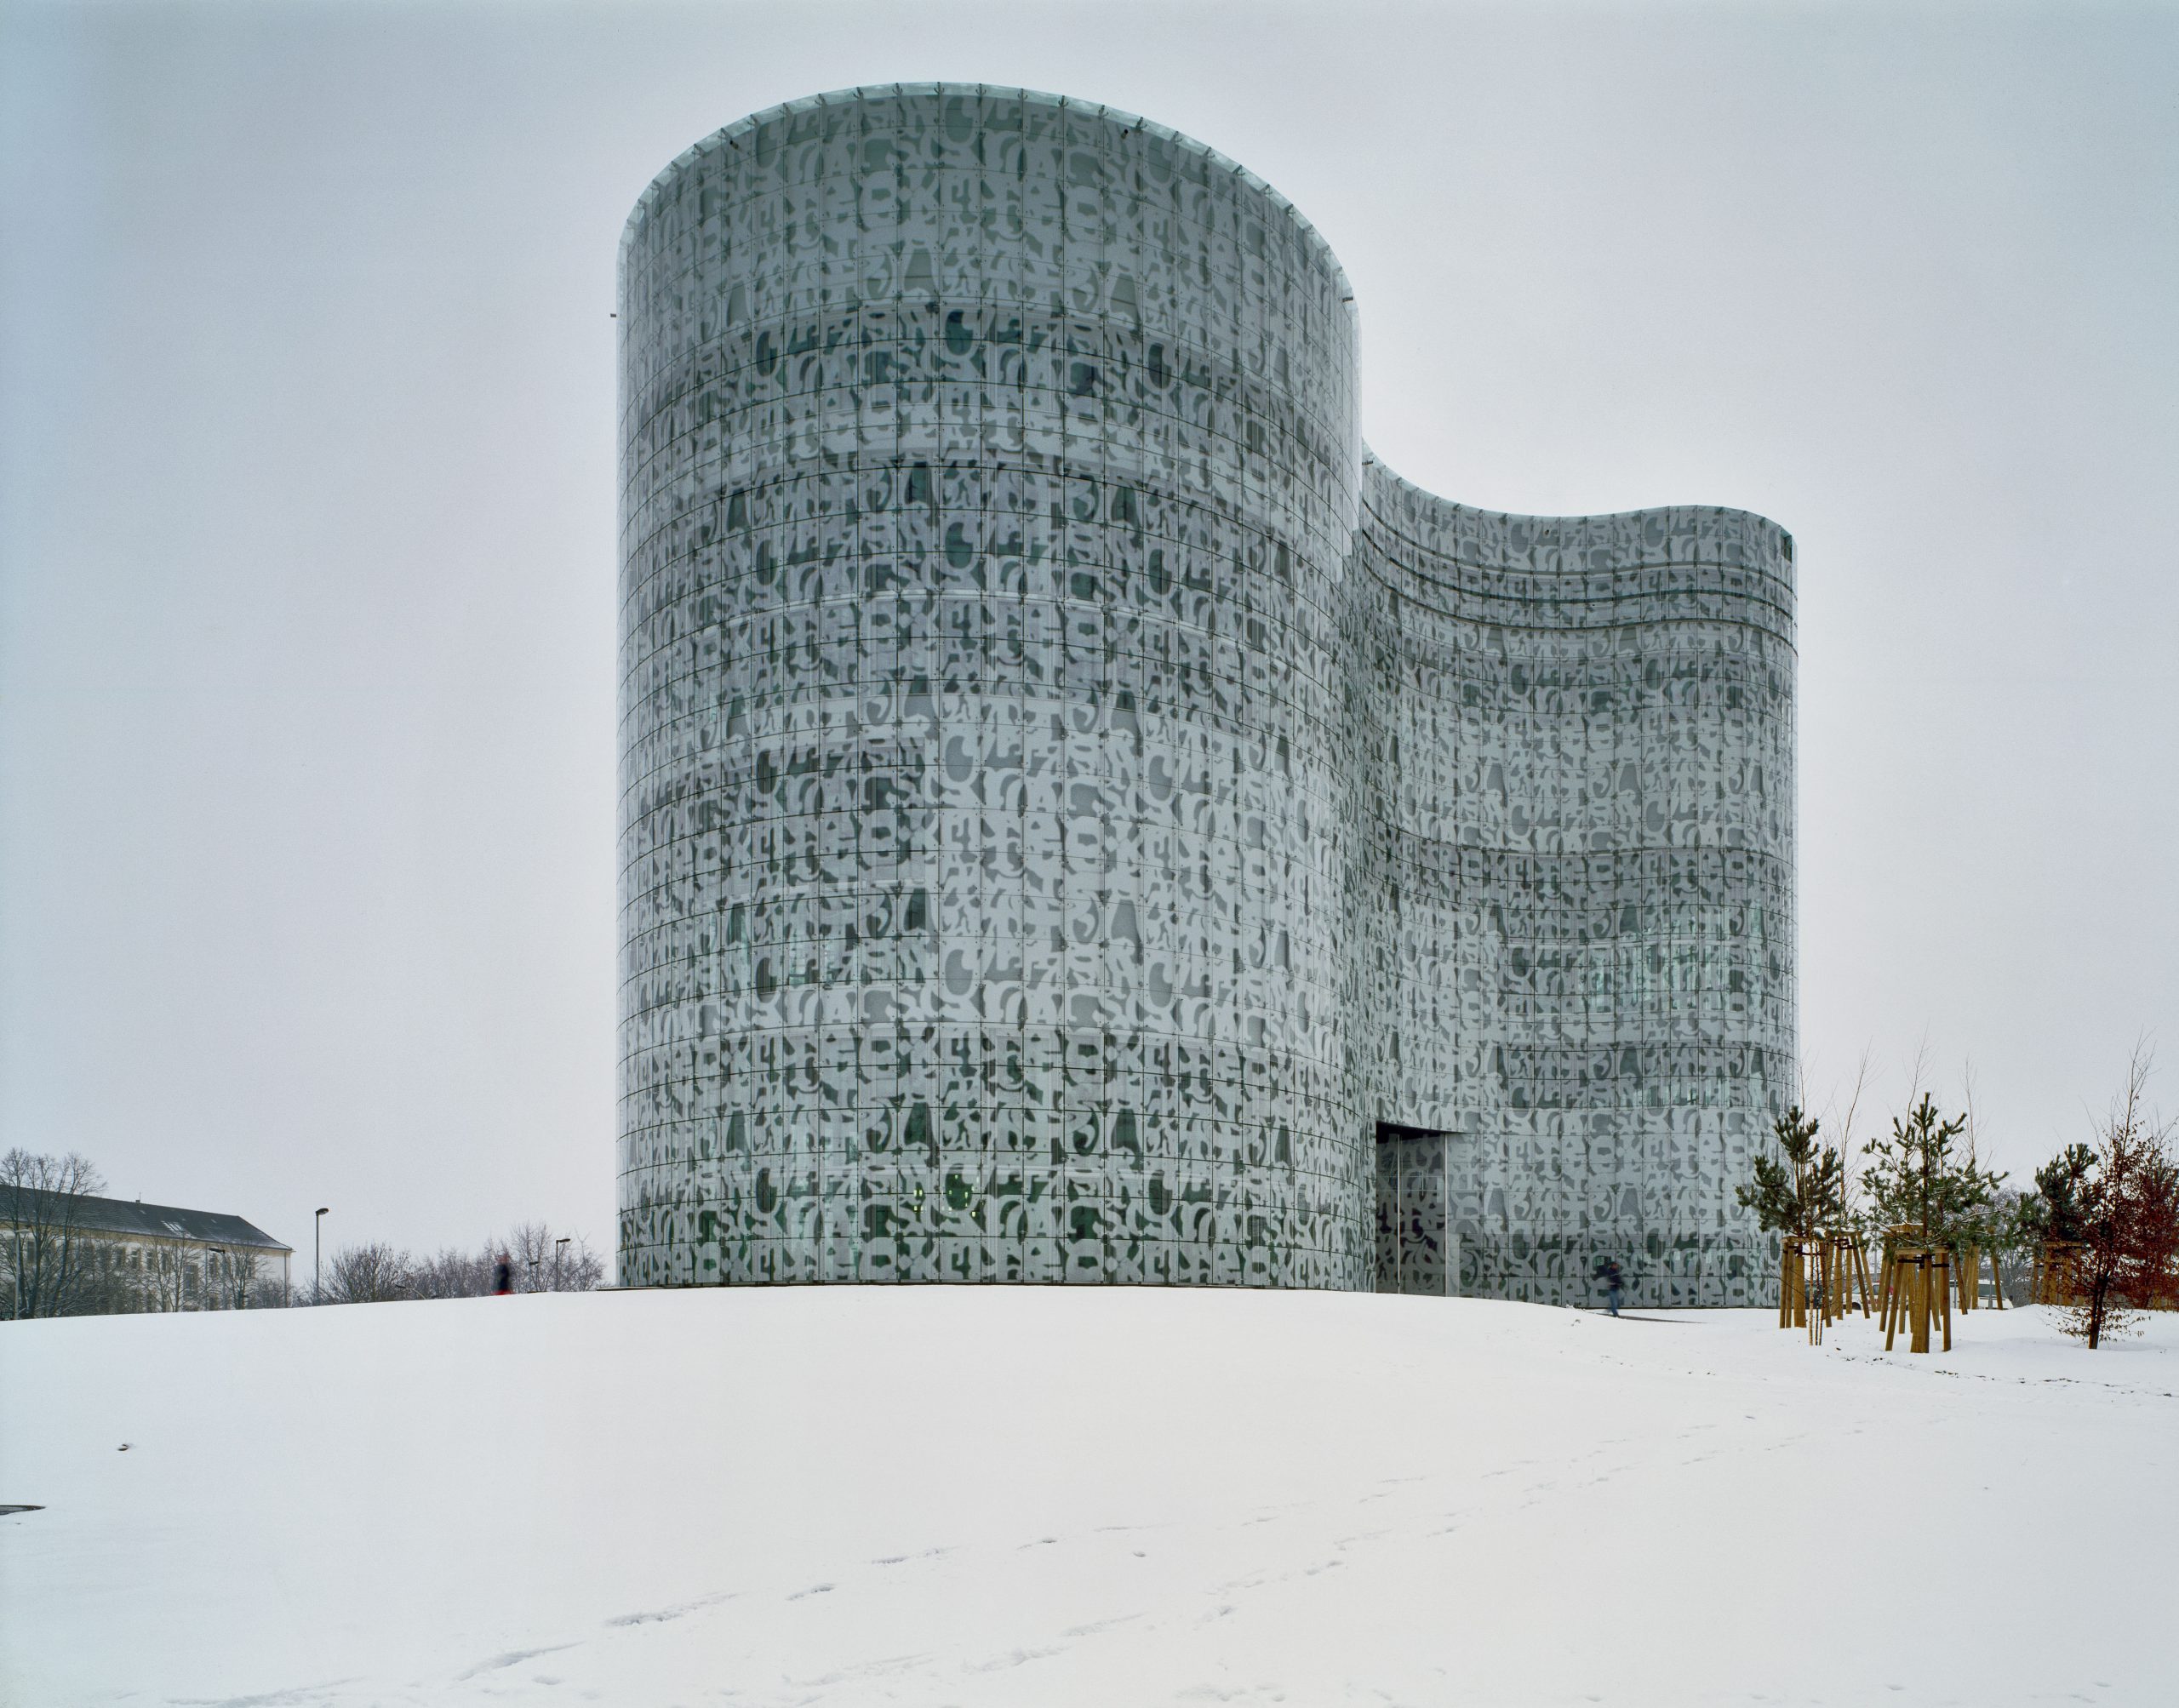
(1081,820)
(1579,833)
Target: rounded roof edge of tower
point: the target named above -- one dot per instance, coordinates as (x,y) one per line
(729,136)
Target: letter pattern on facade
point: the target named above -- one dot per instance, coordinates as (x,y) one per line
(1083,820)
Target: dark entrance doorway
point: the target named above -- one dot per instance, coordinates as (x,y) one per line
(1416,1249)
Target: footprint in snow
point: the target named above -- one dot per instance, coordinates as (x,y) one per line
(659,1615)
(514,1657)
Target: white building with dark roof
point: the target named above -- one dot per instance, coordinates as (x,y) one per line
(98,1256)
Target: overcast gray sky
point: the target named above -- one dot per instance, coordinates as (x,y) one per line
(306,506)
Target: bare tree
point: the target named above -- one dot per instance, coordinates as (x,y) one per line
(268,1289)
(1967,1103)
(369,1274)
(578,1268)
(541,1263)
(165,1283)
(528,1246)
(2128,1227)
(42,1199)
(106,1284)
(1919,1075)
(2005,1237)
(1990,1229)
(238,1283)
(452,1275)
(1850,1177)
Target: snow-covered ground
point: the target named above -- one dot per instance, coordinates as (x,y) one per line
(993,1496)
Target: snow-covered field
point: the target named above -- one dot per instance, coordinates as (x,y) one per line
(1117,1496)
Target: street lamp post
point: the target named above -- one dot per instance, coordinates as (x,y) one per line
(318,1257)
(559,1249)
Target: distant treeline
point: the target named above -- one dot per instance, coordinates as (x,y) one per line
(531,1258)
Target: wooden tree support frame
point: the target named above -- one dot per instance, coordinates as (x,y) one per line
(1852,1268)
(1917,1296)
(1796,1294)
(2054,1279)
(1970,1278)
(1815,1297)
(1816,1280)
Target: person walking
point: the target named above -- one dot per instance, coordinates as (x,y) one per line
(1608,1273)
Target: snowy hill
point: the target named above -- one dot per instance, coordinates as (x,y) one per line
(1110,1496)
